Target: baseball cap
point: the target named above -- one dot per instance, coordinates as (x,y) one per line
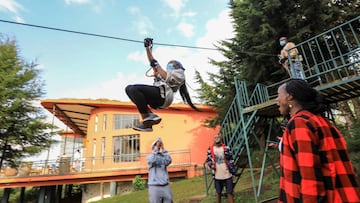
(154,143)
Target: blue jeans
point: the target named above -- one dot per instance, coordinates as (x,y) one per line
(298,70)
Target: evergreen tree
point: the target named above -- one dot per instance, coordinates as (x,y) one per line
(23,129)
(252,53)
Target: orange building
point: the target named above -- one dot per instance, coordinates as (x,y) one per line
(112,153)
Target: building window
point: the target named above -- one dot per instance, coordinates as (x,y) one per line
(126,148)
(103,139)
(94,152)
(104,122)
(123,121)
(96,123)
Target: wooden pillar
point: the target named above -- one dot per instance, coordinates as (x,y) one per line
(50,194)
(113,188)
(6,195)
(101,190)
(58,193)
(47,194)
(68,190)
(22,195)
(42,193)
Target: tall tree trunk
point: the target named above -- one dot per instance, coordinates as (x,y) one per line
(347,113)
(356,103)
(3,154)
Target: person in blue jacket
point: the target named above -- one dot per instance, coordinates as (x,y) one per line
(158,179)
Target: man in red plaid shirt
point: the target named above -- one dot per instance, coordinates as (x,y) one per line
(220,161)
(314,161)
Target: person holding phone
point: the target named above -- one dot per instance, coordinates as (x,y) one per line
(158,180)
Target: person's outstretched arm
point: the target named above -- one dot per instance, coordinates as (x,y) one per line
(153,62)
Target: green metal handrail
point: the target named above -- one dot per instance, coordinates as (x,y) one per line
(331,55)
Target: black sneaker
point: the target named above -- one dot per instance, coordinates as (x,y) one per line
(142,127)
(151,120)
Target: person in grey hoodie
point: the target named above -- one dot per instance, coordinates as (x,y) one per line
(158,179)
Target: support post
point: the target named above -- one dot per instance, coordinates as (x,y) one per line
(6,195)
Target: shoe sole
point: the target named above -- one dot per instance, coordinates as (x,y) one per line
(149,123)
(142,130)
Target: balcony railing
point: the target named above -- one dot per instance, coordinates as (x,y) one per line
(69,165)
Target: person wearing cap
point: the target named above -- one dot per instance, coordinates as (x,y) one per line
(220,161)
(290,50)
(161,94)
(158,179)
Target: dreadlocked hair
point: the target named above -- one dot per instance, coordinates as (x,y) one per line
(186,97)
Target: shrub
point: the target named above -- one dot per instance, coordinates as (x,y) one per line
(138,183)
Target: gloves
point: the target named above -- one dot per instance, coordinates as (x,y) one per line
(148,42)
(154,63)
(232,171)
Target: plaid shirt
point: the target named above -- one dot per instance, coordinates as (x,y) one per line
(211,159)
(315,165)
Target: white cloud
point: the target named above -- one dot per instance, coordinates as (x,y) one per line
(186,29)
(10,5)
(77,1)
(134,10)
(218,29)
(13,7)
(143,26)
(176,5)
(19,19)
(111,89)
(189,14)
(142,23)
(138,56)
(98,8)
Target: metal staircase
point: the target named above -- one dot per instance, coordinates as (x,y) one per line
(331,64)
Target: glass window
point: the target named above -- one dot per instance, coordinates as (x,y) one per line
(123,121)
(94,152)
(96,123)
(104,122)
(126,148)
(103,139)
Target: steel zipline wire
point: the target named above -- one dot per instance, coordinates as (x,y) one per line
(122,39)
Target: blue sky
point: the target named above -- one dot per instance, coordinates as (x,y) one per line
(81,66)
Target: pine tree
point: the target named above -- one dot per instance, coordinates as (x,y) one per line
(23,129)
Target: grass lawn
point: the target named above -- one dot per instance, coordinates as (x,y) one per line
(184,190)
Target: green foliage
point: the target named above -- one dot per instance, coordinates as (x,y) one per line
(23,131)
(138,183)
(353,143)
(32,194)
(252,54)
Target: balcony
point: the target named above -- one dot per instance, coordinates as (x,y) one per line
(66,170)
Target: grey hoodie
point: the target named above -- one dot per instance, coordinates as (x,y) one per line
(174,79)
(158,162)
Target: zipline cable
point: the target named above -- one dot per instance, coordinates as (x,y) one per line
(122,39)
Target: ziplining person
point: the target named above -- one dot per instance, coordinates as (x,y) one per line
(160,95)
